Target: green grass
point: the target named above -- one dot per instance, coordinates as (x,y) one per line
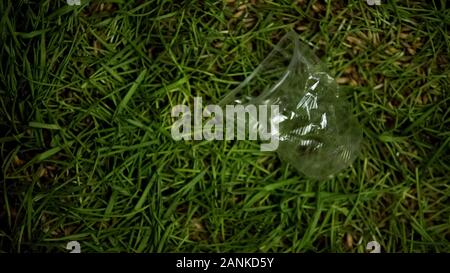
(86,151)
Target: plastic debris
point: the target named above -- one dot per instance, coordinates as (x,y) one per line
(318,134)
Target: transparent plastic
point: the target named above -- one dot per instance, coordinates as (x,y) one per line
(318,134)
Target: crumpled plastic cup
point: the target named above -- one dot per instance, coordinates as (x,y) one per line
(318,134)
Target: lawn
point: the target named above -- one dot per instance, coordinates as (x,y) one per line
(87,155)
